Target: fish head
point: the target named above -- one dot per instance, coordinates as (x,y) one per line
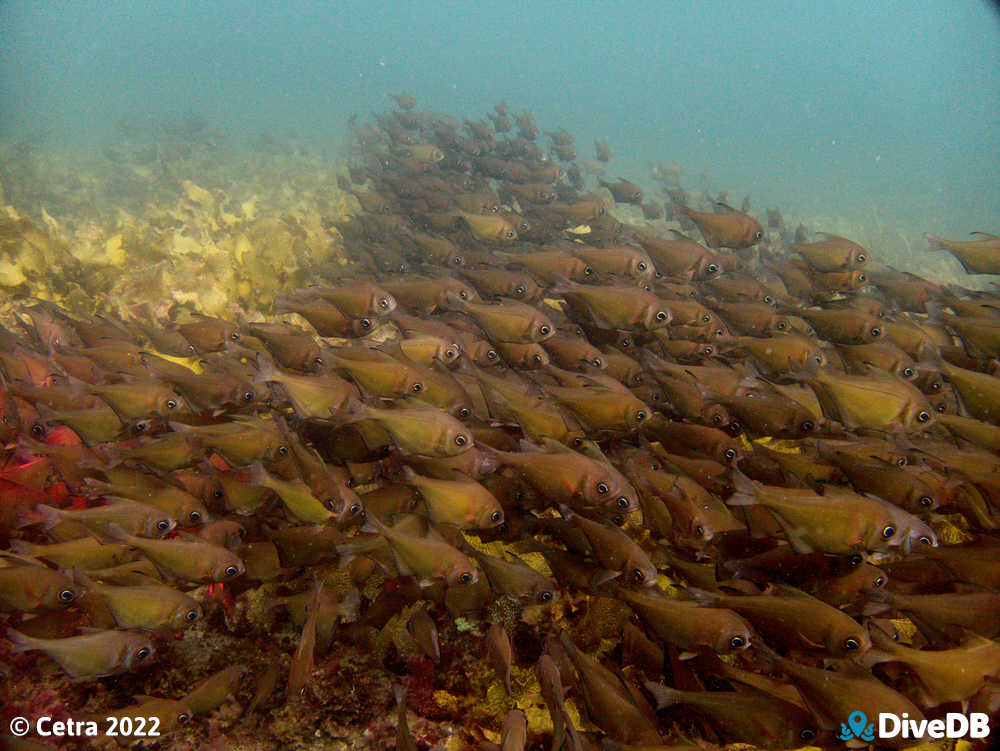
(138,650)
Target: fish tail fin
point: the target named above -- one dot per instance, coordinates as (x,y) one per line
(50,515)
(399,694)
(21,642)
(561,284)
(266,371)
(936,243)
(258,475)
(664,695)
(745,490)
(354,411)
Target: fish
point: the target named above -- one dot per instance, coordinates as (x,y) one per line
(730,229)
(686,624)
(791,617)
(614,549)
(464,503)
(90,655)
(500,653)
(623,191)
(751,716)
(148,607)
(189,560)
(835,523)
(303,659)
(834,253)
(976,256)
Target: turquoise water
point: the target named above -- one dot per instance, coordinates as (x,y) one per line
(852,113)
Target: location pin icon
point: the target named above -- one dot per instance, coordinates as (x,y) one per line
(857,721)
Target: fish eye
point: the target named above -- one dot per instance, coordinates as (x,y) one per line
(706,318)
(757,235)
(936,386)
(862,278)
(461,440)
(602,488)
(248,396)
(712,268)
(383,302)
(901,461)
(720,332)
(218,494)
(587,270)
(282,450)
(879,581)
(171,404)
(231,571)
(622,502)
(807,426)
(925,540)
(140,427)
(195,516)
(641,266)
(143,653)
(730,454)
(597,362)
(536,358)
(768,299)
(718,419)
(908,372)
(544,329)
(182,718)
(67,595)
(417,388)
(851,644)
(888,531)
(318,360)
(708,350)
(465,577)
(191,349)
(626,342)
(235,336)
(737,642)
(661,316)
(876,331)
(519,290)
(330,504)
(926,501)
(492,355)
(545,596)
(862,258)
(354,510)
(638,575)
(807,734)
(511,234)
(365,323)
(618,520)
(191,615)
(38,429)
(163,525)
(700,531)
(457,260)
(781,326)
(941,407)
(464,412)
(496,517)
(924,416)
(464,295)
(819,359)
(640,415)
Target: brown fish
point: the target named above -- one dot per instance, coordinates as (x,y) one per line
(976,256)
(733,229)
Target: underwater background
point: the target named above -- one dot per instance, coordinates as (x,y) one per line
(883,118)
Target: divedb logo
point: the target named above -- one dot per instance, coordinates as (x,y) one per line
(953,725)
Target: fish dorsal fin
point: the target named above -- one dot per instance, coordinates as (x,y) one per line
(680,235)
(727,207)
(986,234)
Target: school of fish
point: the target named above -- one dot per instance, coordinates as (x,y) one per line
(665,488)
